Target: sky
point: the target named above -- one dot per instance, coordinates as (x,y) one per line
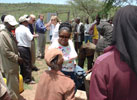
(35,1)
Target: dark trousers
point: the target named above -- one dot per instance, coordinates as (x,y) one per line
(26,65)
(77,46)
(81,61)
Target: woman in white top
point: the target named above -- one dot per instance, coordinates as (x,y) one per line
(54,28)
(64,44)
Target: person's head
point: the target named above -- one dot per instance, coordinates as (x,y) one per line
(65,30)
(98,19)
(32,19)
(87,21)
(24,20)
(124,35)
(110,20)
(2,18)
(77,20)
(54,20)
(10,22)
(54,58)
(41,17)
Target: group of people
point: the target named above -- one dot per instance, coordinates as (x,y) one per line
(113,75)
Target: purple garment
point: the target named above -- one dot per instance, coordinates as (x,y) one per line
(112,79)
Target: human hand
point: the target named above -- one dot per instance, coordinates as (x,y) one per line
(35,35)
(20,60)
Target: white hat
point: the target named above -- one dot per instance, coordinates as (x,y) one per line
(24,18)
(11,20)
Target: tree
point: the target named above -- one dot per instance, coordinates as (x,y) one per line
(88,7)
(108,4)
(103,7)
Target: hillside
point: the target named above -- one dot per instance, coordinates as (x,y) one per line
(33,8)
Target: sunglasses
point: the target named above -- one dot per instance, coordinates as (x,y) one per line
(62,36)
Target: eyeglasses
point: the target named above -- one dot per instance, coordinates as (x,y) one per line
(62,36)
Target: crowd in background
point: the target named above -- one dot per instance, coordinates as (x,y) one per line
(110,50)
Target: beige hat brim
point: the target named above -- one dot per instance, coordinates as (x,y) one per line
(13,23)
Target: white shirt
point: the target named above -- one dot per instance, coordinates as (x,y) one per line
(55,29)
(23,36)
(78,28)
(69,55)
(87,27)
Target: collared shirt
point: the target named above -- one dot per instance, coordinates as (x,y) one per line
(55,86)
(40,27)
(23,36)
(87,27)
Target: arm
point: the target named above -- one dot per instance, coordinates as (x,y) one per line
(7,50)
(48,24)
(73,53)
(82,32)
(29,35)
(98,84)
(70,94)
(40,26)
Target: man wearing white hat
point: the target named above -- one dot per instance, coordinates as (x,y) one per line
(9,56)
(24,38)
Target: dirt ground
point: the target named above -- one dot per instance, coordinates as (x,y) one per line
(29,94)
(30,89)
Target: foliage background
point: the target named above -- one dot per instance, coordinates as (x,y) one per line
(34,8)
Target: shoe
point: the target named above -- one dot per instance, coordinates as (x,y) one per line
(38,57)
(34,68)
(31,82)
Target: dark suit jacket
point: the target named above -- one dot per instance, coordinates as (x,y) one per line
(81,32)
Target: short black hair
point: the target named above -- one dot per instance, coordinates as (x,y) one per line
(2,18)
(65,26)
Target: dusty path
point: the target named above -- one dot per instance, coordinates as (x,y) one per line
(29,90)
(29,94)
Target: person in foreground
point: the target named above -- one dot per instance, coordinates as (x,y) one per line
(53,84)
(114,75)
(9,57)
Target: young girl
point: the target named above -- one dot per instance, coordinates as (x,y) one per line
(66,46)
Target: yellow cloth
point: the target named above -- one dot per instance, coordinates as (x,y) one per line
(95,34)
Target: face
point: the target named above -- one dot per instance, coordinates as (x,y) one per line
(54,21)
(25,23)
(32,20)
(77,21)
(64,37)
(41,17)
(9,27)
